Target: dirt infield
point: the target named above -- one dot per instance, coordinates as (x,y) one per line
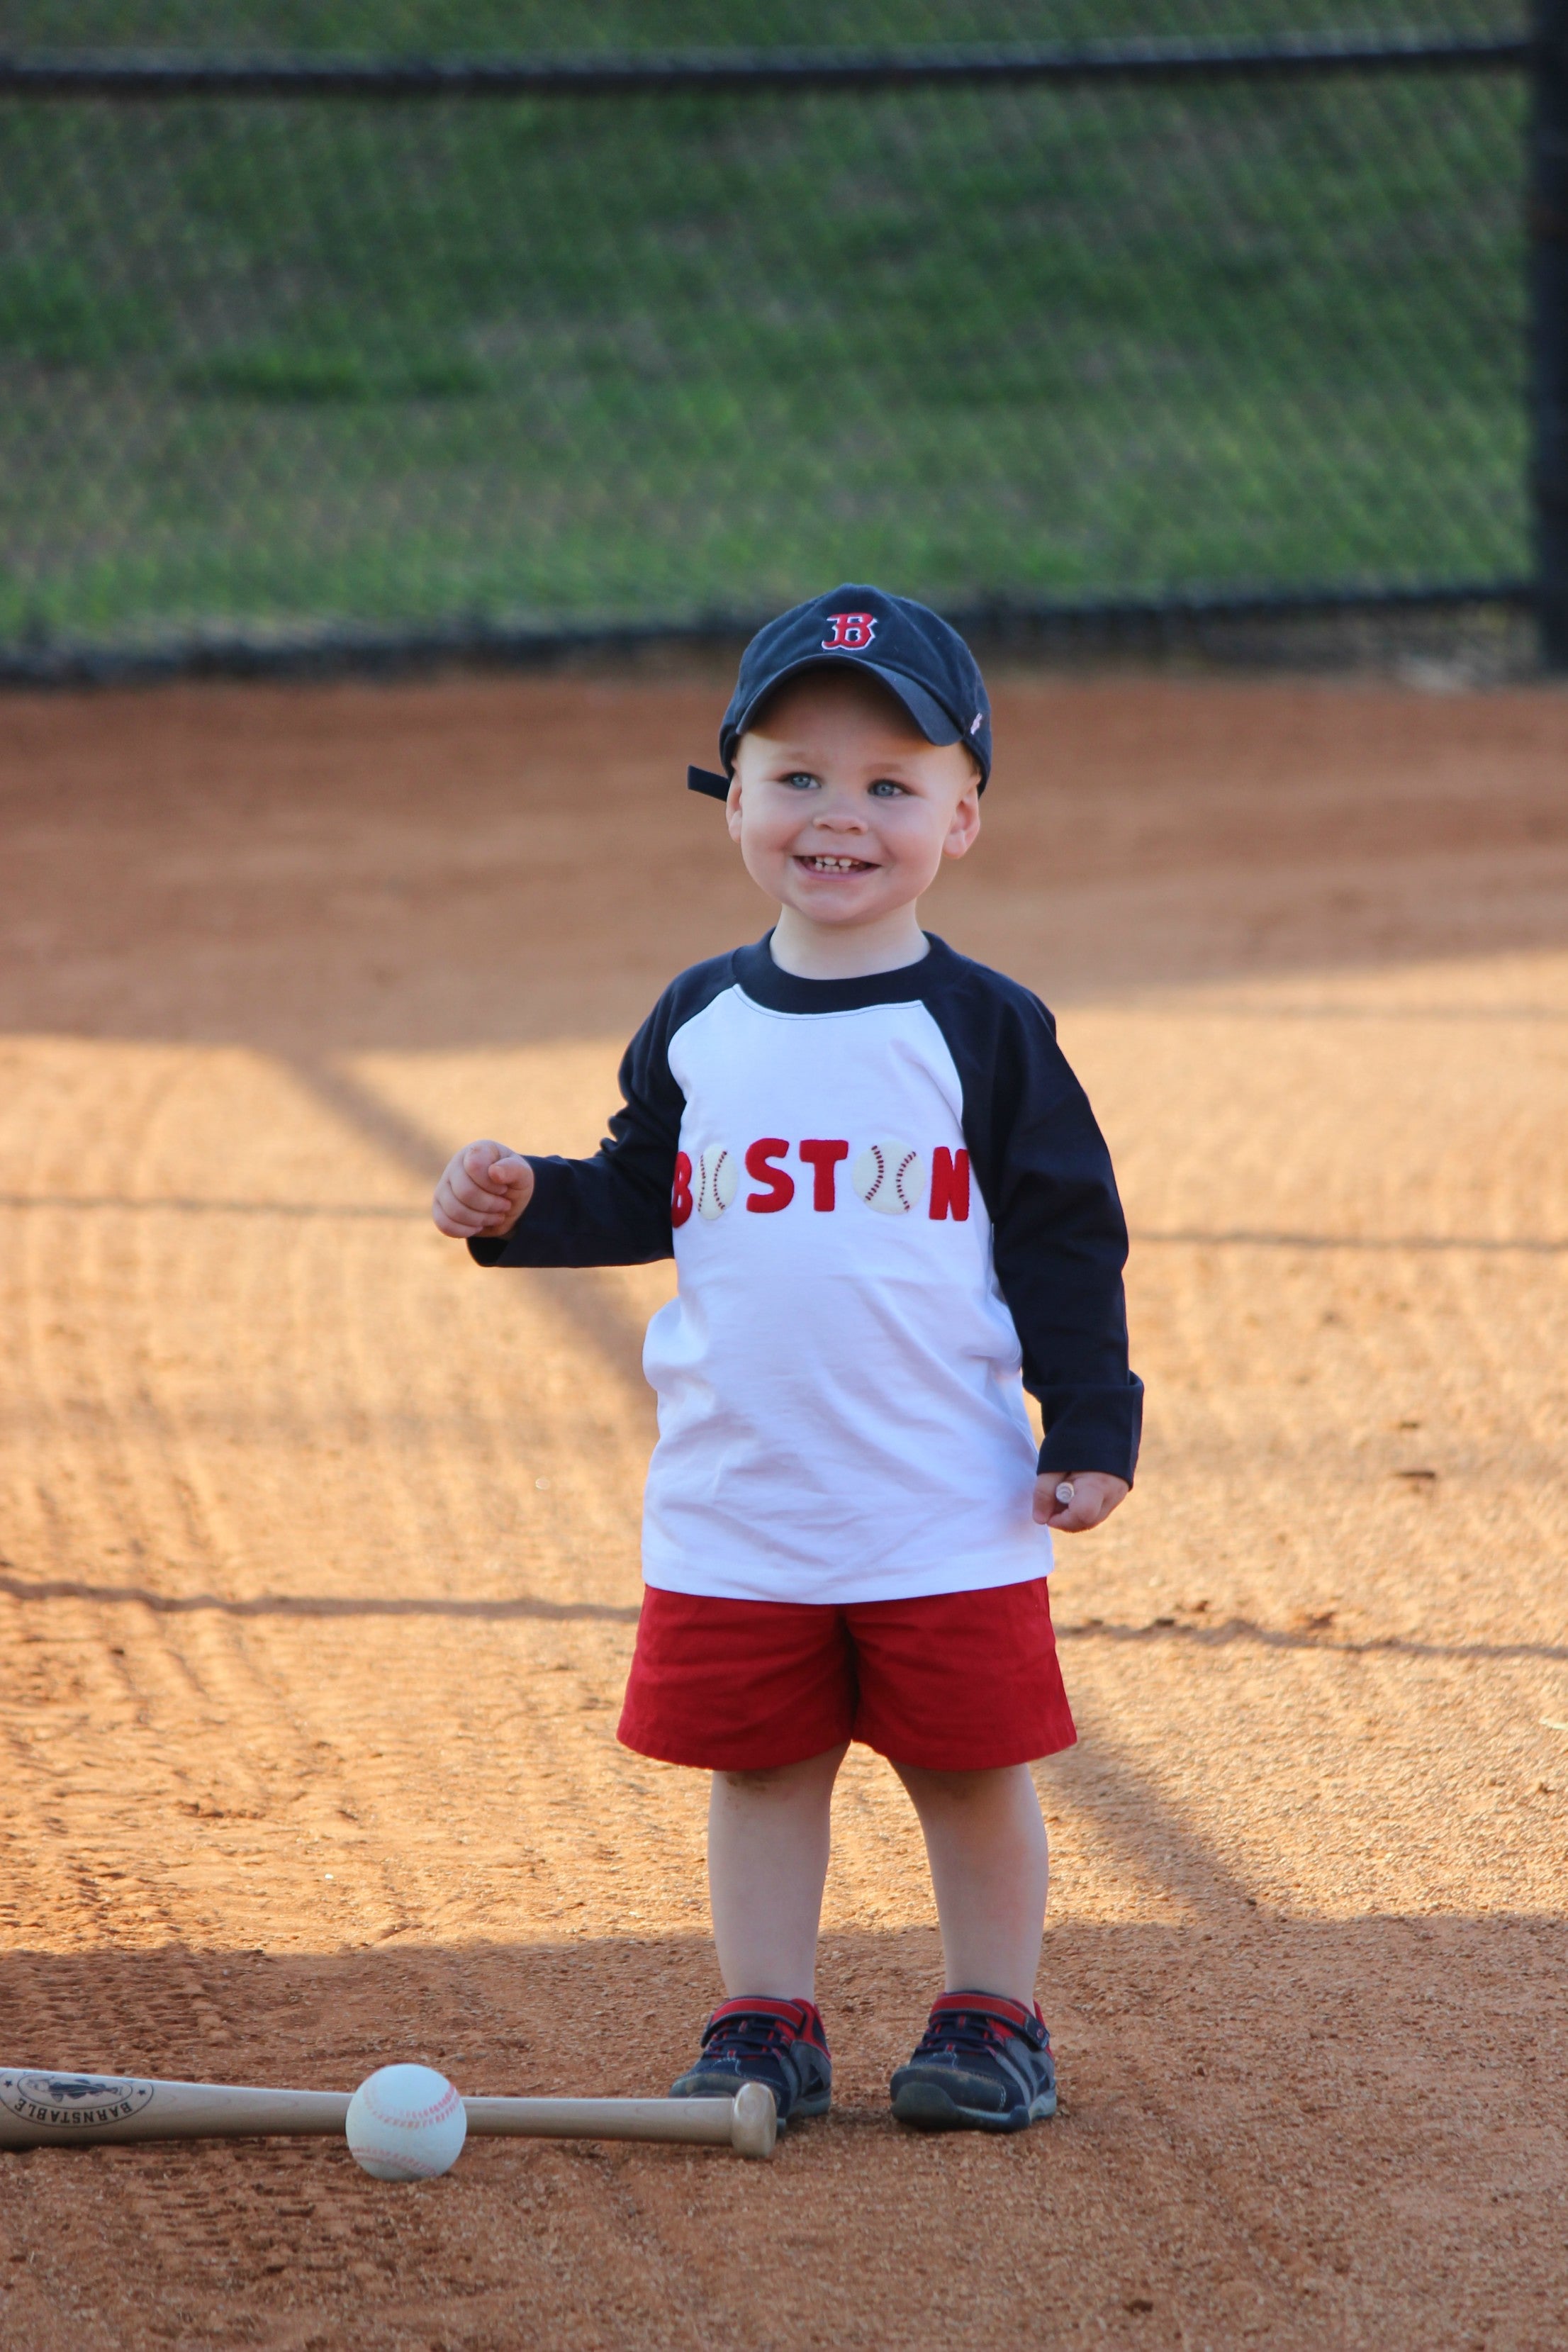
(320,1547)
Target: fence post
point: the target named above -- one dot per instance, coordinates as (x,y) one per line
(1549,324)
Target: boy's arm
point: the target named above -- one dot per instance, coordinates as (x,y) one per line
(1059,1241)
(613,1209)
(1060,1247)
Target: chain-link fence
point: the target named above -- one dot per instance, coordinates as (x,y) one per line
(324,347)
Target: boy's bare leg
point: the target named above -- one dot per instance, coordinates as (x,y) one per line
(768,1840)
(986,1841)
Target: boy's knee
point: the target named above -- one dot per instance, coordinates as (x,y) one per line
(957,1787)
(759,1783)
(770,1780)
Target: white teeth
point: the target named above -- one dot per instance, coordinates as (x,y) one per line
(836,864)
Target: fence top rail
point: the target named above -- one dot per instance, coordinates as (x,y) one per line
(130,76)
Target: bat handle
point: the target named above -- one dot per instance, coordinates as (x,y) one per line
(754,2121)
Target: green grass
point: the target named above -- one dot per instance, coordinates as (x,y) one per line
(422,27)
(298,374)
(273,365)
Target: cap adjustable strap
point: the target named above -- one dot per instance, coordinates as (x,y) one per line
(703,780)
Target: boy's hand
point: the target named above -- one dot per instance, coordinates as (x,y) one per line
(1095,1495)
(484,1190)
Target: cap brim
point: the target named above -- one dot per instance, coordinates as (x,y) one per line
(937,725)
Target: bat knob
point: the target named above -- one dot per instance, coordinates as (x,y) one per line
(755,2125)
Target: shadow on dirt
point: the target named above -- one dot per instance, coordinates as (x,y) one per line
(1274,1637)
(529,1605)
(1244,2099)
(309,1604)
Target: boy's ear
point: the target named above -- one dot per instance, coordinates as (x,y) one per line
(965,823)
(703,780)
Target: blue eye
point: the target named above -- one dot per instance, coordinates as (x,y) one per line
(801,781)
(885,785)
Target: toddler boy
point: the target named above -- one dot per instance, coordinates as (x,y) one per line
(891,1211)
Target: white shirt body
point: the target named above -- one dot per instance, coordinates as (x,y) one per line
(841,1413)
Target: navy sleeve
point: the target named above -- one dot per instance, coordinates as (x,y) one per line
(613,1209)
(1060,1238)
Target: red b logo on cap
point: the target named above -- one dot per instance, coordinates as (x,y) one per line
(852,633)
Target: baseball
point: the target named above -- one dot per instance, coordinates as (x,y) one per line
(888,1178)
(715,1181)
(405,2123)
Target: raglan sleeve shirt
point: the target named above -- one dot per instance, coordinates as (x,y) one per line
(891,1211)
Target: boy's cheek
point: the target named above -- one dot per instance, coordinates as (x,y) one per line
(766,854)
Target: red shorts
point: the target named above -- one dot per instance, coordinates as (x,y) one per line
(956,1682)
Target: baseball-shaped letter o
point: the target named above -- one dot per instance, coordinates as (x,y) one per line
(888,1177)
(715,1186)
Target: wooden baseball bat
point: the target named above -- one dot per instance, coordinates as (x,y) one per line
(41,2109)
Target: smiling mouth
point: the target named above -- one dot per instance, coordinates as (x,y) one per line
(836,864)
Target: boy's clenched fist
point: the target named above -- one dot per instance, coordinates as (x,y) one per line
(484,1189)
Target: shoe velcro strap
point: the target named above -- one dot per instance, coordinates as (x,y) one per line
(766,2020)
(1028,2025)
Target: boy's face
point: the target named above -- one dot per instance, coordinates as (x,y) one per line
(841,808)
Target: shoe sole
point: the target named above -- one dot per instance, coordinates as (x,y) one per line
(928,2107)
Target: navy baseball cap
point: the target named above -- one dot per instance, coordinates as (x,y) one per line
(908,647)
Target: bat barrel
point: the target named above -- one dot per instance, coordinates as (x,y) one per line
(43,2109)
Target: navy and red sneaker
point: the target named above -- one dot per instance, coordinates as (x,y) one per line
(760,2040)
(985,2064)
